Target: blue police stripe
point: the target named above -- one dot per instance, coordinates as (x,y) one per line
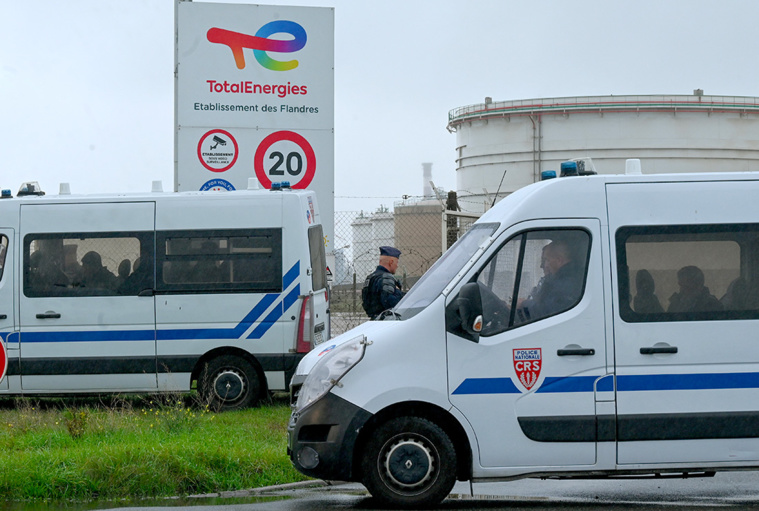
(254,314)
(487,386)
(89,336)
(627,383)
(291,275)
(291,297)
(569,384)
(705,381)
(287,302)
(267,323)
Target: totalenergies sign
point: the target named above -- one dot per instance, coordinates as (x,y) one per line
(255,98)
(255,66)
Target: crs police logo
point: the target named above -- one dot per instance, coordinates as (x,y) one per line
(527,364)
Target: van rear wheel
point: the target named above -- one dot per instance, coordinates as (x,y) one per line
(229,383)
(409,462)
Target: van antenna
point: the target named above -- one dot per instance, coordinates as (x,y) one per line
(499,188)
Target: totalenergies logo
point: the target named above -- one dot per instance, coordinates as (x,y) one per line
(260,43)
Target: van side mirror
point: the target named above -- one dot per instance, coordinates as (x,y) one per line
(463,316)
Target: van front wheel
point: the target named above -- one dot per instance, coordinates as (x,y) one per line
(229,383)
(409,462)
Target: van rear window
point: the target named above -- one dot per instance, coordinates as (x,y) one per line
(3,251)
(318,257)
(688,273)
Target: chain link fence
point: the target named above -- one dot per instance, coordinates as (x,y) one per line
(421,230)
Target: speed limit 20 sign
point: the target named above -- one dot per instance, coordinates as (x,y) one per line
(285,156)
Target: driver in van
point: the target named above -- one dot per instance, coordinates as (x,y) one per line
(94,274)
(560,286)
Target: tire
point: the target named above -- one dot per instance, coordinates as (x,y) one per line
(409,462)
(229,383)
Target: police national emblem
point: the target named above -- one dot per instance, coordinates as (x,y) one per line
(527,364)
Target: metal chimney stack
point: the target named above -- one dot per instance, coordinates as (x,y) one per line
(427,177)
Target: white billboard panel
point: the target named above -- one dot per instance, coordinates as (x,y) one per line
(224,80)
(255,98)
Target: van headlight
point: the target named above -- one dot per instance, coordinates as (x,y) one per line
(327,372)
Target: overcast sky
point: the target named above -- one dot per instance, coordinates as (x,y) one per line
(86,86)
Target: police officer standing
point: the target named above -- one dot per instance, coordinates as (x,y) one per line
(381,291)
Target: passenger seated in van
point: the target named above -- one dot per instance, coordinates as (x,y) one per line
(94,274)
(560,287)
(140,279)
(45,276)
(693,296)
(71,266)
(646,301)
(125,268)
(736,297)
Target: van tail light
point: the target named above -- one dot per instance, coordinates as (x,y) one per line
(304,342)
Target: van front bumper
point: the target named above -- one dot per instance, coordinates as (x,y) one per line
(322,438)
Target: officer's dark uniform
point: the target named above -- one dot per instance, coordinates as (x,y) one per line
(381,291)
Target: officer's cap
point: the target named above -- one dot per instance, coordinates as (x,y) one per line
(390,251)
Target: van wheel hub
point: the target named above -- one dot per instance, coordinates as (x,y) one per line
(229,385)
(409,463)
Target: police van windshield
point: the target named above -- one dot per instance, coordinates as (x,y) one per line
(440,274)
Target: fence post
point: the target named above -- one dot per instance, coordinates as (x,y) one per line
(451,235)
(354,292)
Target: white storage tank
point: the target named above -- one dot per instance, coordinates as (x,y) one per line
(505,145)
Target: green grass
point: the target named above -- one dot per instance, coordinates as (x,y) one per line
(139,449)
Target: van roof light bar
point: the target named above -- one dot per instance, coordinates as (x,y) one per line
(30,188)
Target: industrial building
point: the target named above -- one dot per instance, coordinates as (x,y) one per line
(505,145)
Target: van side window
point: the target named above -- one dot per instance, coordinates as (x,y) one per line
(3,251)
(535,275)
(318,257)
(217,261)
(86,264)
(688,273)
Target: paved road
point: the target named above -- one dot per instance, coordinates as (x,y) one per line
(731,491)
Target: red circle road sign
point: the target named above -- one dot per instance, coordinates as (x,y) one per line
(221,160)
(266,143)
(3,360)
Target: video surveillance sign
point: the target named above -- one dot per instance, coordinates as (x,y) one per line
(255,97)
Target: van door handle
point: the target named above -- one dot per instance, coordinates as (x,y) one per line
(3,316)
(49,315)
(652,350)
(576,351)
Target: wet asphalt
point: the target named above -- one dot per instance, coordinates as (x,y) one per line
(725,491)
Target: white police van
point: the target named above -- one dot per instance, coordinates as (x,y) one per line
(647,365)
(160,292)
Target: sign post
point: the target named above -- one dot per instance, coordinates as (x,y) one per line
(254,97)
